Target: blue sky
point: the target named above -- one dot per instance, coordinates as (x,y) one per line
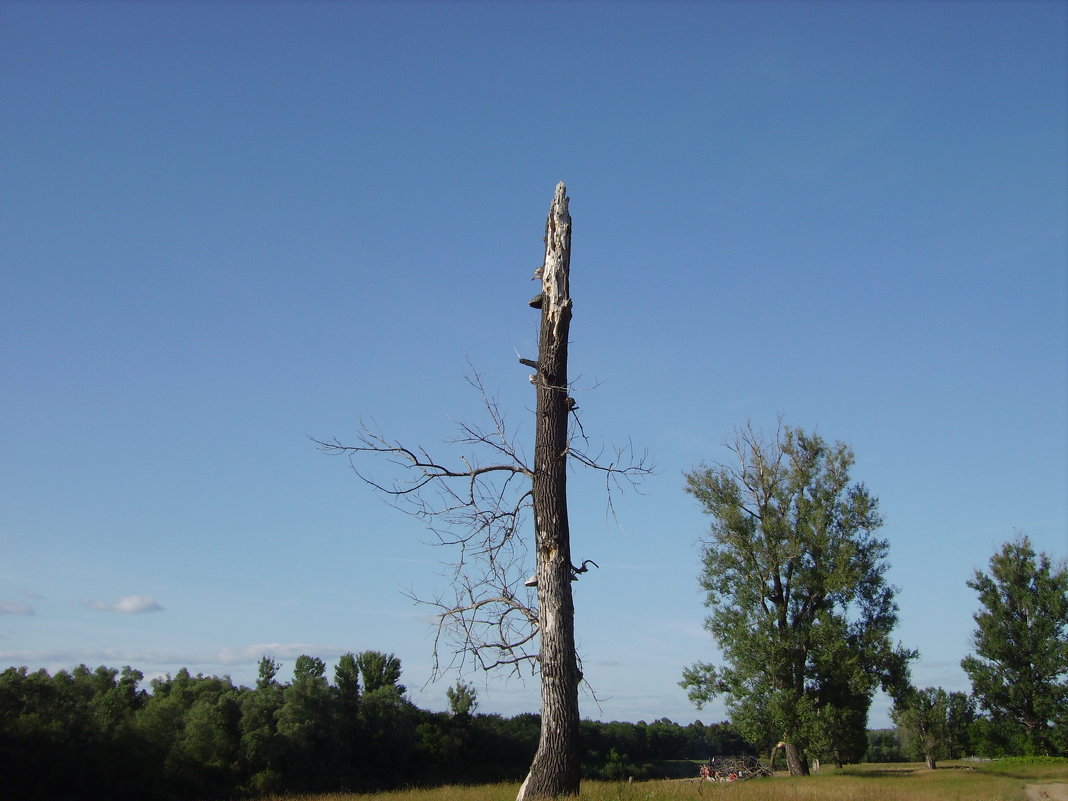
(229,227)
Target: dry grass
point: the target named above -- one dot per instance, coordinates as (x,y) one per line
(480,792)
(952,782)
(889,785)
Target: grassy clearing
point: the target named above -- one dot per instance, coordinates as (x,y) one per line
(1034,768)
(996,781)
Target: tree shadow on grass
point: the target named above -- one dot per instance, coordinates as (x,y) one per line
(878,773)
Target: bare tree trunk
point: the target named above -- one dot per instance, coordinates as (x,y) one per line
(555,770)
(796,760)
(775,753)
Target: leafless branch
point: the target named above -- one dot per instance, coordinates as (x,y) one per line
(622,470)
(478,503)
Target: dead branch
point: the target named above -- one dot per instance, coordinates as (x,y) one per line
(479,502)
(479,509)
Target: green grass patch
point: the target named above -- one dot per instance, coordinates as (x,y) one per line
(1030,767)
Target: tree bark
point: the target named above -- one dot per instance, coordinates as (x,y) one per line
(555,770)
(796,760)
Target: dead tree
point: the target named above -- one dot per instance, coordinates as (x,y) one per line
(555,770)
(480,503)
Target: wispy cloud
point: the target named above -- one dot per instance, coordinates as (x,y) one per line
(229,656)
(109,656)
(252,653)
(129,605)
(15,608)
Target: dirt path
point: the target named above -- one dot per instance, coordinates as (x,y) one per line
(1047,792)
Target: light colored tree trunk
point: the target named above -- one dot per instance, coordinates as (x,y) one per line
(775,753)
(555,770)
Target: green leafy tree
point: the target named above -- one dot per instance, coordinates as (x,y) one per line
(388,725)
(794,577)
(268,671)
(347,690)
(162,721)
(379,670)
(842,702)
(262,749)
(884,745)
(462,699)
(309,669)
(210,744)
(922,718)
(308,724)
(618,767)
(72,735)
(192,723)
(347,683)
(717,739)
(960,718)
(1019,671)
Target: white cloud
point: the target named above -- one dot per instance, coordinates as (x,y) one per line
(15,608)
(129,605)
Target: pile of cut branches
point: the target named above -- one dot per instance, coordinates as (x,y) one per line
(733,769)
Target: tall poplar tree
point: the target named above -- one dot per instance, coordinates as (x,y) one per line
(799,604)
(1019,671)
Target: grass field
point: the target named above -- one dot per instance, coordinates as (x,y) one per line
(996,781)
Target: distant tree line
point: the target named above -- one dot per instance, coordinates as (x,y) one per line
(97,734)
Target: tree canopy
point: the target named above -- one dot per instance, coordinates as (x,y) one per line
(379,671)
(800,608)
(462,698)
(921,717)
